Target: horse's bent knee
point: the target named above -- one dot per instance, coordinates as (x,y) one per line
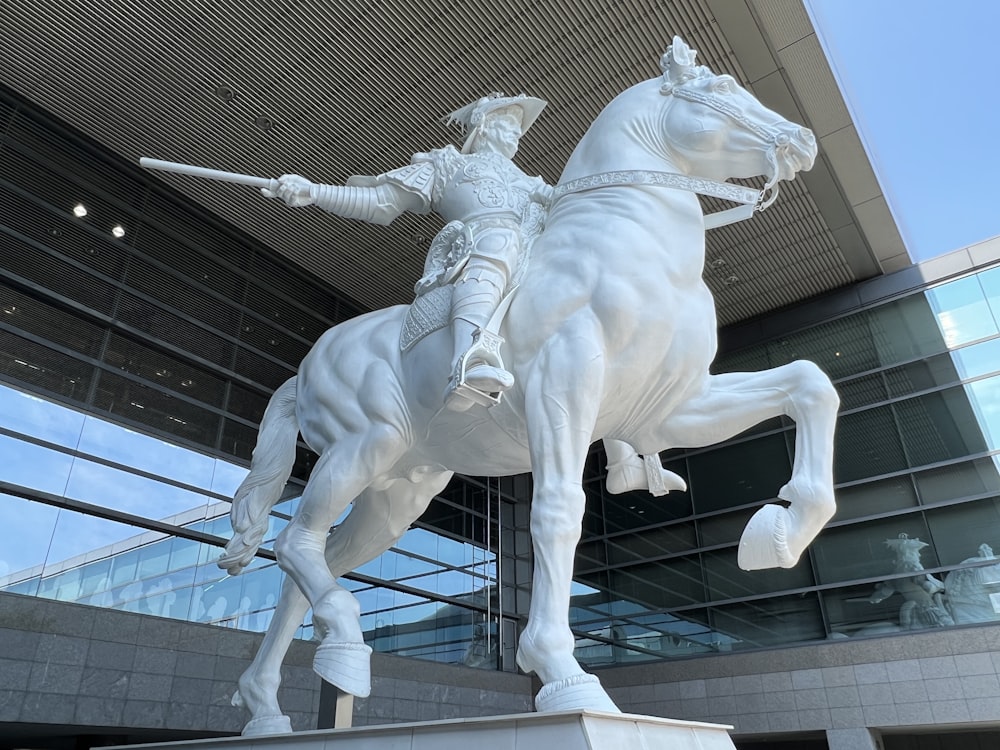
(294,545)
(813,386)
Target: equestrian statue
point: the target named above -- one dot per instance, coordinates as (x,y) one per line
(548,317)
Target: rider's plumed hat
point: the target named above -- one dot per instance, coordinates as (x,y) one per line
(471,117)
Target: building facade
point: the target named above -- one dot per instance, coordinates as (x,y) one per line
(140,338)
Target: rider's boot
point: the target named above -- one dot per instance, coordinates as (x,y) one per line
(476,362)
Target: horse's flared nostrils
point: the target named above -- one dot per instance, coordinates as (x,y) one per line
(272,462)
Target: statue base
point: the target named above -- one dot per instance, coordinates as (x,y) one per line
(534,731)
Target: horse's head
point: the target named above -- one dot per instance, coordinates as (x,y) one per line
(720,130)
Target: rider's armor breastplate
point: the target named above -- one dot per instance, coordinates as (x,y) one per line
(485,185)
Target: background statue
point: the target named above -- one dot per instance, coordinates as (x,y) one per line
(923,595)
(971,590)
(609,335)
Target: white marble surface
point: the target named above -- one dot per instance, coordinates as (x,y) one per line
(548,731)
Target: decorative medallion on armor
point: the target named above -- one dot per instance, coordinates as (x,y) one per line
(495,182)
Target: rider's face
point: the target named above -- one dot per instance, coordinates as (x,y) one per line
(500,133)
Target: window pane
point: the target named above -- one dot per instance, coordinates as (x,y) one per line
(866,550)
(770,622)
(119,490)
(905,329)
(122,445)
(39,418)
(867,444)
(27,535)
(940,426)
(974,590)
(959,530)
(873,498)
(961,310)
(662,584)
(959,480)
(33,466)
(990,281)
(726,580)
(739,474)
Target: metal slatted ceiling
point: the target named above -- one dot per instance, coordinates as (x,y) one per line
(356,87)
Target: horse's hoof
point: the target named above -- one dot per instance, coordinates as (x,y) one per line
(764,543)
(346,666)
(262,725)
(576,693)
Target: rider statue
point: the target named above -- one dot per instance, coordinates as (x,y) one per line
(478,186)
(482,191)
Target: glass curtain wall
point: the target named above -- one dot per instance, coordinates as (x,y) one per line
(913,545)
(140,340)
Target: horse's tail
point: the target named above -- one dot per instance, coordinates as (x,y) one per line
(269,470)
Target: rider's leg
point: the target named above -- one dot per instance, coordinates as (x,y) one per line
(474,303)
(476,296)
(627,471)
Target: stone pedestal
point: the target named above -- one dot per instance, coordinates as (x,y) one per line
(569,730)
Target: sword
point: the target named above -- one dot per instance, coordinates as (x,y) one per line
(211,174)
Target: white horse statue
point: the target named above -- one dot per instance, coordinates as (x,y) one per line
(609,336)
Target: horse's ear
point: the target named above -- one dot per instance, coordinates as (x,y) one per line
(682,54)
(677,64)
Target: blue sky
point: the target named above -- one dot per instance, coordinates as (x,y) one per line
(921,81)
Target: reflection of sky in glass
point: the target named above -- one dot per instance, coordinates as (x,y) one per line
(96,561)
(961,310)
(112,488)
(28,527)
(33,466)
(28,530)
(39,418)
(985,398)
(964,315)
(124,446)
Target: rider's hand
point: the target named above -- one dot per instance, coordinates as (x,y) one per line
(542,194)
(293,189)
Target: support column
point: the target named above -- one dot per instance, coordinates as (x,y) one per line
(860,738)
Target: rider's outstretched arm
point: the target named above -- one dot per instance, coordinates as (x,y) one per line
(377,204)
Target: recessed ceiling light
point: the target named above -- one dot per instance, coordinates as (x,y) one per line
(263,122)
(79,210)
(118,231)
(226,93)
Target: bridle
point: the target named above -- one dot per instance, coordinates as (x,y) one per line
(750,199)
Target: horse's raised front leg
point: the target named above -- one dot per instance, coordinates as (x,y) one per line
(561,405)
(376,522)
(775,536)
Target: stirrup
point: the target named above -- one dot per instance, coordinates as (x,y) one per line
(485,349)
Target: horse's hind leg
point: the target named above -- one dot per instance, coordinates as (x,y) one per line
(776,536)
(377,520)
(344,470)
